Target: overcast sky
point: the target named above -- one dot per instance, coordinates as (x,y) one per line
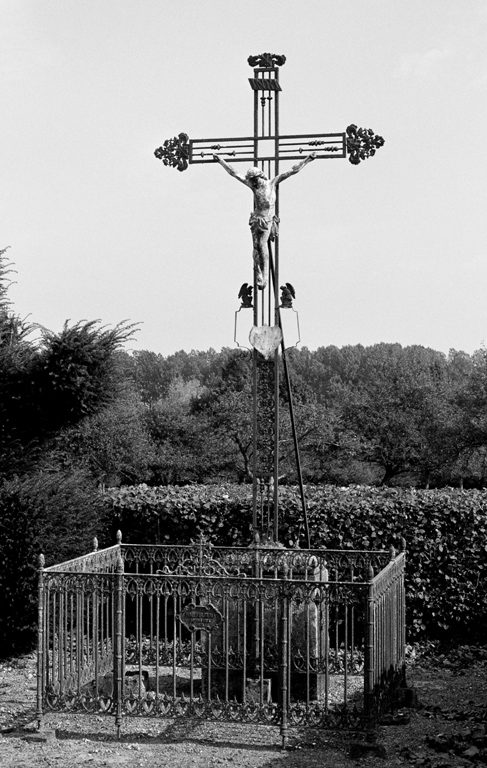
(392,250)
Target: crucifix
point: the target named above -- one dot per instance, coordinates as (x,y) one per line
(265,151)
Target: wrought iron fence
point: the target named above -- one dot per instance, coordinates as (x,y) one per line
(260,635)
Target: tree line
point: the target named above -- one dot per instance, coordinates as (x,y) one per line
(378,415)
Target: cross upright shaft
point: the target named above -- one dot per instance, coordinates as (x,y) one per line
(265,150)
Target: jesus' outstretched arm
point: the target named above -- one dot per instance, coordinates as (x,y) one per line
(295,169)
(231,170)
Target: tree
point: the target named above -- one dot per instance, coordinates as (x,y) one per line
(471,398)
(52,383)
(153,374)
(179,437)
(395,402)
(113,445)
(46,386)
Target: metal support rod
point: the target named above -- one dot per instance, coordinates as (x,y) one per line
(255,524)
(274,269)
(291,413)
(275,285)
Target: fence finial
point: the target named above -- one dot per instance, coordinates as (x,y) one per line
(119,536)
(402,545)
(95,544)
(392,552)
(42,561)
(370,572)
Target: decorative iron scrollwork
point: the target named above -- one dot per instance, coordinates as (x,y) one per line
(175,152)
(362,143)
(267,60)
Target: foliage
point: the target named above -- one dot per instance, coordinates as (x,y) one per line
(17,358)
(153,373)
(181,448)
(51,385)
(180,514)
(226,413)
(395,401)
(113,445)
(381,415)
(54,513)
(445,531)
(76,370)
(47,385)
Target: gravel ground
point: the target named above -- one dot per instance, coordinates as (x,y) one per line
(451,699)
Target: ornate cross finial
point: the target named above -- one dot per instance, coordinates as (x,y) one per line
(267,60)
(362,143)
(175,152)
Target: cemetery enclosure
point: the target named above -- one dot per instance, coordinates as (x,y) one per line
(264,635)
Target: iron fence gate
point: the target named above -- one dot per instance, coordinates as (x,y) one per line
(259,635)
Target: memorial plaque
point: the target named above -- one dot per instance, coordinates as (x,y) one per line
(204,617)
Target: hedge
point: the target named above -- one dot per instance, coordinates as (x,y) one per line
(445,532)
(55,514)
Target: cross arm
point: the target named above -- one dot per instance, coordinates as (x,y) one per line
(357,143)
(250,149)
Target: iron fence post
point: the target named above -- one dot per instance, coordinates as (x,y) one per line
(40,642)
(402,612)
(284,665)
(369,667)
(118,658)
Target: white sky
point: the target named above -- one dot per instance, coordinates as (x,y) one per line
(393,250)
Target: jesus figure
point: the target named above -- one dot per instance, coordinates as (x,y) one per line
(263,220)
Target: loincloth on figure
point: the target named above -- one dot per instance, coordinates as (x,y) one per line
(259,224)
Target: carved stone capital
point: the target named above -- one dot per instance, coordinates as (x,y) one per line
(175,152)
(362,143)
(267,60)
